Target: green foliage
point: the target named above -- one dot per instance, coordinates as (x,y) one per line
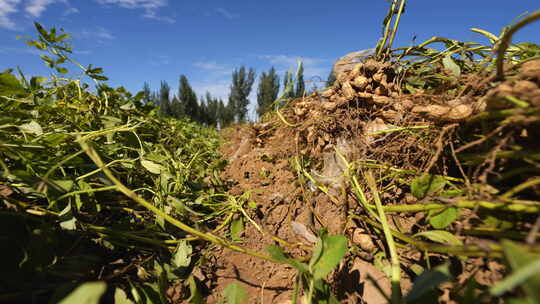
(525,272)
(425,284)
(242,81)
(147,94)
(165,107)
(328,252)
(441,219)
(62,219)
(237,228)
(267,91)
(10,85)
(210,111)
(331,79)
(87,293)
(427,184)
(188,100)
(288,86)
(300,88)
(440,236)
(234,294)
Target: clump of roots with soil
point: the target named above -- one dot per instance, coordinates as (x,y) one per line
(425,159)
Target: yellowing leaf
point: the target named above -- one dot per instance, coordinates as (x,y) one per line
(440,236)
(87,293)
(31,127)
(152,167)
(451,65)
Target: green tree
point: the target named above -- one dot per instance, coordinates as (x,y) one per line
(226,114)
(188,99)
(211,110)
(165,109)
(300,84)
(267,91)
(288,85)
(242,81)
(331,79)
(177,108)
(147,93)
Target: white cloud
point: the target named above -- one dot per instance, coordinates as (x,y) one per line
(213,67)
(146,4)
(37,7)
(70,11)
(218,89)
(151,14)
(313,67)
(159,60)
(225,13)
(291,60)
(30,51)
(8,7)
(98,33)
(83,52)
(150,7)
(34,9)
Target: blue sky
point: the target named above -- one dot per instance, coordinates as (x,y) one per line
(153,40)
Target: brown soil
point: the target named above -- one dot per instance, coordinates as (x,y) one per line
(352,118)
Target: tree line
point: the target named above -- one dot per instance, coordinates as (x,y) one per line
(213,111)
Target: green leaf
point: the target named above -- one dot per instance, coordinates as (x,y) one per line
(62,37)
(237,227)
(334,249)
(519,260)
(67,219)
(234,294)
(428,281)
(95,71)
(31,127)
(10,85)
(87,293)
(443,218)
(317,253)
(277,253)
(426,184)
(440,236)
(450,64)
(182,255)
(35,82)
(99,77)
(516,278)
(42,31)
(150,291)
(120,297)
(37,44)
(55,139)
(195,295)
(65,185)
(61,70)
(152,167)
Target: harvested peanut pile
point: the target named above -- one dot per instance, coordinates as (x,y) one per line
(305,166)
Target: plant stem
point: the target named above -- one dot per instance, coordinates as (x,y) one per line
(396,270)
(521,187)
(507,39)
(490,250)
(129,193)
(396,23)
